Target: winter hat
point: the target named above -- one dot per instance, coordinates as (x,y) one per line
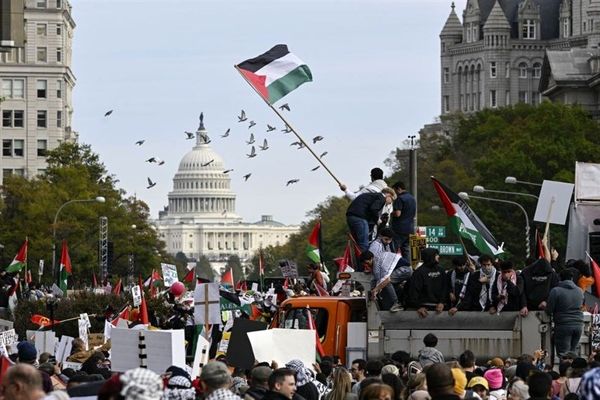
(496,362)
(26,351)
(460,381)
(261,374)
(478,380)
(494,378)
(390,369)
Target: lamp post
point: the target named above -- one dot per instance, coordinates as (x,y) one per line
(412,165)
(131,272)
(465,196)
(512,180)
(98,199)
(481,189)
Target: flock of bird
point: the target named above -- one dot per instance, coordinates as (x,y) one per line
(251,142)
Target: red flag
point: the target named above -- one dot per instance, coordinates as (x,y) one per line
(124,314)
(596,271)
(311,325)
(189,277)
(94,281)
(42,321)
(227,278)
(118,286)
(540,246)
(313,249)
(5,363)
(28,278)
(286,283)
(143,307)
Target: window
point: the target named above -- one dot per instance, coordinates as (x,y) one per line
(446,106)
(475,35)
(42,147)
(7,147)
(12,118)
(493,69)
(507,98)
(13,88)
(443,47)
(42,119)
(59,119)
(42,55)
(584,26)
(566,27)
(446,75)
(58,30)
(59,54)
(507,70)
(42,88)
(18,118)
(493,100)
(529,29)
(18,147)
(467,101)
(7,88)
(522,96)
(297,318)
(59,85)
(522,70)
(537,70)
(19,172)
(58,3)
(6,172)
(42,29)
(469,33)
(42,4)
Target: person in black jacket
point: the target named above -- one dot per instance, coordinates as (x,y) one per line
(507,293)
(538,279)
(282,385)
(478,296)
(428,288)
(363,213)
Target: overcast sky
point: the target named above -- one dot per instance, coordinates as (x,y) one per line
(158,64)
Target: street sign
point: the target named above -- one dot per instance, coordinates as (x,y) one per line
(432,231)
(448,249)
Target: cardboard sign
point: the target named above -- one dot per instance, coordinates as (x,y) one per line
(63,350)
(136,294)
(8,337)
(41,268)
(45,342)
(200,356)
(289,269)
(6,325)
(169,272)
(595,331)
(207,304)
(239,349)
(73,365)
(283,345)
(553,205)
(57,291)
(164,348)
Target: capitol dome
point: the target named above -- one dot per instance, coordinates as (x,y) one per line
(201,189)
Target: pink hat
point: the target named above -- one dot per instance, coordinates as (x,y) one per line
(494,378)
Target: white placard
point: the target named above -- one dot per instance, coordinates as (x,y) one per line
(136,294)
(165,348)
(45,342)
(202,301)
(41,267)
(73,365)
(125,352)
(191,265)
(63,350)
(57,291)
(83,325)
(255,287)
(555,198)
(587,177)
(169,273)
(8,337)
(201,356)
(289,269)
(284,345)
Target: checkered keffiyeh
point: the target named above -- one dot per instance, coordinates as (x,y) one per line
(590,385)
(222,394)
(141,384)
(302,375)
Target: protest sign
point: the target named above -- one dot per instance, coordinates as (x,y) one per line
(8,337)
(125,351)
(45,342)
(165,347)
(239,349)
(75,366)
(169,272)
(201,356)
(289,269)
(553,205)
(63,350)
(136,294)
(284,345)
(6,325)
(207,307)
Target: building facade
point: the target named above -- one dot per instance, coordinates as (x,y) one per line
(201,220)
(495,56)
(36,88)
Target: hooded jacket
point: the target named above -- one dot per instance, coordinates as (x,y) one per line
(538,279)
(428,284)
(564,304)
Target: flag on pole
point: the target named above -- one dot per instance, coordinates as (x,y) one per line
(275,73)
(541,253)
(261,263)
(118,287)
(314,244)
(227,278)
(65,267)
(20,260)
(465,222)
(124,314)
(312,326)
(189,276)
(5,364)
(143,306)
(94,281)
(28,277)
(152,279)
(42,321)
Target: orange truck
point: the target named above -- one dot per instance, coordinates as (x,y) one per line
(354,327)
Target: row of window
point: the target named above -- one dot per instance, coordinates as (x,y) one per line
(44,3)
(16,119)
(42,54)
(536,98)
(15,88)
(42,29)
(16,147)
(472,102)
(201,185)
(523,71)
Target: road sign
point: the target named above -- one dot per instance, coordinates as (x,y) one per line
(448,249)
(432,231)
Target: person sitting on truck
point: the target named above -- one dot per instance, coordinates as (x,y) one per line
(382,270)
(507,293)
(363,213)
(429,354)
(538,279)
(458,278)
(428,288)
(478,296)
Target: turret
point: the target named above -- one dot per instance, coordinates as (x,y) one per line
(452,32)
(496,31)
(472,21)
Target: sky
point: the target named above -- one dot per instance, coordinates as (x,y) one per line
(158,64)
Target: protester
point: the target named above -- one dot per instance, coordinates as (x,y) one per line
(22,382)
(282,385)
(518,390)
(357,368)
(27,353)
(590,385)
(403,218)
(342,385)
(393,381)
(383,267)
(179,386)
(306,385)
(363,212)
(495,380)
(574,376)
(480,387)
(508,293)
(259,383)
(216,380)
(540,386)
(377,391)
(458,279)
(467,362)
(429,354)
(480,287)
(428,286)
(440,382)
(538,279)
(460,382)
(376,185)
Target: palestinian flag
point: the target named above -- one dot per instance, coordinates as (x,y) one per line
(314,244)
(189,276)
(312,326)
(275,73)
(143,316)
(153,279)
(20,260)
(227,278)
(465,222)
(65,267)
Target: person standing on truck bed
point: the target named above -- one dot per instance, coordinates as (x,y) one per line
(403,218)
(539,278)
(458,278)
(508,292)
(478,296)
(428,289)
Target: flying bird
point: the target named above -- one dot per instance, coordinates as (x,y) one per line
(206,164)
(247,176)
(287,129)
(228,171)
(140,142)
(265,145)
(299,144)
(106,114)
(315,168)
(160,162)
(292,181)
(252,123)
(252,153)
(270,128)
(151,160)
(251,140)
(190,135)
(226,133)
(150,184)
(285,106)
(317,139)
(323,154)
(242,117)
(205,138)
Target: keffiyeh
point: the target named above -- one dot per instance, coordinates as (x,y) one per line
(141,384)
(590,385)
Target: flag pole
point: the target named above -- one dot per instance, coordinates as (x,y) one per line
(290,127)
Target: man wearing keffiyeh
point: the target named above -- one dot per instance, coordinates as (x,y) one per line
(141,384)
(508,294)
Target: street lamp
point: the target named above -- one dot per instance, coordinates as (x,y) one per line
(465,196)
(98,199)
(512,180)
(131,271)
(481,189)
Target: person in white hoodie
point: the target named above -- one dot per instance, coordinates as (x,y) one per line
(377,183)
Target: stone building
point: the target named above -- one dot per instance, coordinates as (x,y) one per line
(201,218)
(36,85)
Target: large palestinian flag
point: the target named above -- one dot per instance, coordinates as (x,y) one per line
(465,222)
(313,249)
(65,267)
(20,260)
(275,73)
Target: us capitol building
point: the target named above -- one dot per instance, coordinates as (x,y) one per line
(201,218)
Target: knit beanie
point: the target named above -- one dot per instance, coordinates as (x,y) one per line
(494,378)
